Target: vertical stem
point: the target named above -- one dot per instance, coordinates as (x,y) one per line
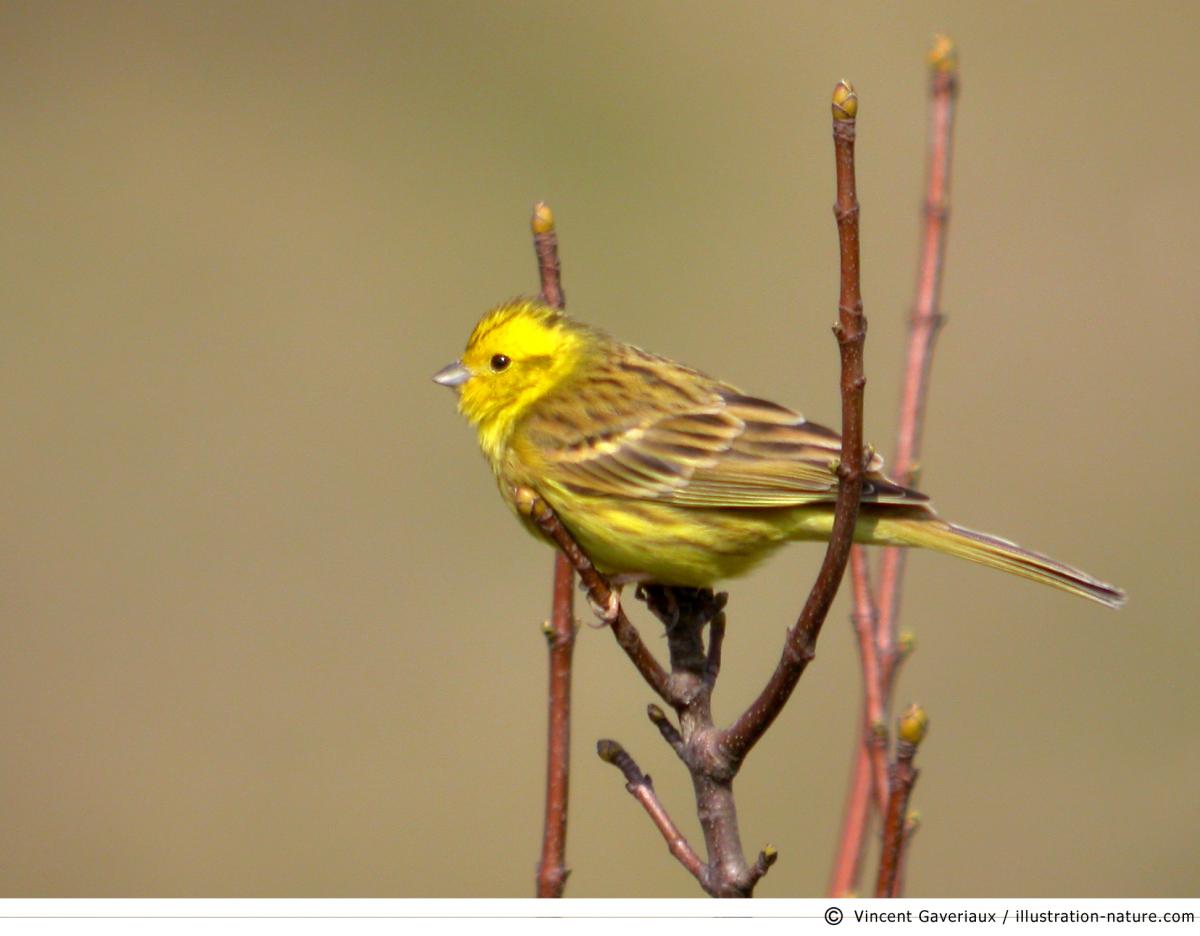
(904,775)
(870,753)
(847,864)
(560,637)
(874,737)
(911,731)
(924,323)
(926,319)
(851,331)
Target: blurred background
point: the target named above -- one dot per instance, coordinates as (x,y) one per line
(267,627)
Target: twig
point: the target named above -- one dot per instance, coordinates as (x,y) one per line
(684,613)
(800,646)
(866,617)
(560,636)
(912,824)
(924,323)
(911,731)
(602,597)
(545,243)
(560,632)
(847,863)
(871,753)
(641,789)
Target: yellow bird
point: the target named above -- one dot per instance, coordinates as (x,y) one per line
(663,474)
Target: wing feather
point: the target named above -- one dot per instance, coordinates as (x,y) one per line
(718,448)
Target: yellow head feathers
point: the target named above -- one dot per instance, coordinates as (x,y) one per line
(518,352)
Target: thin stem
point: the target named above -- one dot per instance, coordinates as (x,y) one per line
(924,323)
(560,636)
(599,594)
(642,790)
(911,731)
(800,646)
(904,775)
(847,864)
(870,753)
(912,823)
(874,736)
(926,318)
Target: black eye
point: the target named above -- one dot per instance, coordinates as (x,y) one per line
(500,362)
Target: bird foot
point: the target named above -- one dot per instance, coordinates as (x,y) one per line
(608,613)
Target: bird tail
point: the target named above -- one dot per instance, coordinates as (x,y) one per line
(932,532)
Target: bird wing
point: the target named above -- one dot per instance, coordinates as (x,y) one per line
(723,450)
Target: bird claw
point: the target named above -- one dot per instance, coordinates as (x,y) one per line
(606,614)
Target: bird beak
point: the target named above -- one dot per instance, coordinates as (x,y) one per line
(452,375)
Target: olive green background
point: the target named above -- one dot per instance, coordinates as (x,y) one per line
(267,628)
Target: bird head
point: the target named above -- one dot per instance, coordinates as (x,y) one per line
(518,353)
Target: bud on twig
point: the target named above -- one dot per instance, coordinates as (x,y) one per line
(543,219)
(845,101)
(913,725)
(943,55)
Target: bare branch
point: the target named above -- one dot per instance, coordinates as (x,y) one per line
(800,646)
(642,790)
(924,323)
(601,595)
(669,732)
(912,728)
(560,635)
(926,319)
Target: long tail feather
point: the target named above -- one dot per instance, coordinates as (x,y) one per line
(933,533)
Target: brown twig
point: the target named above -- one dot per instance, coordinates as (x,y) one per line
(560,635)
(847,863)
(870,754)
(560,632)
(866,616)
(642,789)
(924,323)
(600,594)
(800,646)
(684,613)
(912,824)
(926,319)
(911,731)
(545,244)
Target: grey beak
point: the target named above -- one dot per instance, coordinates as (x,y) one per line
(452,375)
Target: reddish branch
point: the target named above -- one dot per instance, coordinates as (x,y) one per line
(600,594)
(866,621)
(903,775)
(924,324)
(926,318)
(641,789)
(870,768)
(560,632)
(800,646)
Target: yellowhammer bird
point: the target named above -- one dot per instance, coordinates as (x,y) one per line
(663,474)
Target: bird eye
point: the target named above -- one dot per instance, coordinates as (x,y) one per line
(500,362)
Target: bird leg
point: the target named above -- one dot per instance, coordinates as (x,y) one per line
(608,612)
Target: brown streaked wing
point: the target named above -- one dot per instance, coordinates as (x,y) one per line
(649,460)
(778,460)
(730,450)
